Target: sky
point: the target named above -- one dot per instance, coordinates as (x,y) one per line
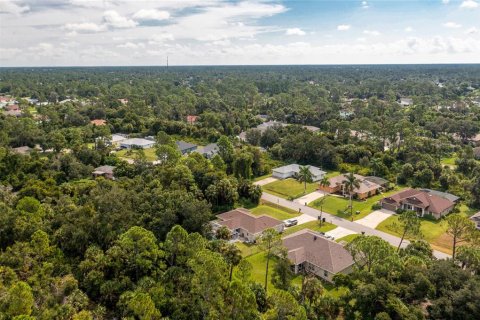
(237,32)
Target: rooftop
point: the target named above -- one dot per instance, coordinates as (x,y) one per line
(137,142)
(296,168)
(309,246)
(182,145)
(242,218)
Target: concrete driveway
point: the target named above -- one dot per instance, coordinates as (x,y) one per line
(339,232)
(306,199)
(265,181)
(375,218)
(304,218)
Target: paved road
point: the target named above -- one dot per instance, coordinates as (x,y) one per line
(356,227)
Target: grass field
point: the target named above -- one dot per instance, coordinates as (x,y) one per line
(289,188)
(339,206)
(434,232)
(312,225)
(449,161)
(348,238)
(133,154)
(274,211)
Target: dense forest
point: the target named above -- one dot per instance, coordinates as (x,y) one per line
(141,246)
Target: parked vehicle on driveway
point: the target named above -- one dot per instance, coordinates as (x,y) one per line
(290,222)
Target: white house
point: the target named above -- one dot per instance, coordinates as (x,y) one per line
(136,143)
(293,169)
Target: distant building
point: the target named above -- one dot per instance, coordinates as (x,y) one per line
(185,147)
(98,122)
(137,143)
(192,119)
(422,201)
(22,150)
(292,170)
(117,139)
(311,252)
(405,102)
(104,171)
(123,101)
(209,151)
(476,219)
(246,226)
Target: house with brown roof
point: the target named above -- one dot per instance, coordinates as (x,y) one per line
(192,119)
(476,219)
(422,201)
(98,122)
(245,225)
(367,186)
(313,253)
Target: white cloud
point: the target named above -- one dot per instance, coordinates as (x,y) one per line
(343,27)
(161,38)
(113,19)
(408,29)
(295,32)
(151,14)
(469,4)
(452,25)
(365,5)
(371,32)
(472,30)
(131,45)
(12,7)
(85,27)
(445,1)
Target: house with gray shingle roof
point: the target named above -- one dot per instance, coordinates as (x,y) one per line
(185,147)
(311,252)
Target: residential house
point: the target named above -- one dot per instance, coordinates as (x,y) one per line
(104,171)
(209,151)
(272,124)
(367,187)
(123,101)
(313,253)
(245,225)
(22,150)
(476,219)
(185,147)
(13,113)
(117,139)
(98,122)
(475,140)
(192,119)
(137,143)
(377,180)
(405,102)
(292,170)
(422,201)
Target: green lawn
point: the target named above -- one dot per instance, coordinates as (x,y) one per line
(339,206)
(262,177)
(348,238)
(247,249)
(289,188)
(133,154)
(312,225)
(274,211)
(434,232)
(449,161)
(332,174)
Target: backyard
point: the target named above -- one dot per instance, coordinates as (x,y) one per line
(338,205)
(150,154)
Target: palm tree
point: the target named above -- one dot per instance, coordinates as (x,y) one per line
(349,185)
(304,175)
(324,182)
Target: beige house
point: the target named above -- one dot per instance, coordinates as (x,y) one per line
(313,253)
(244,225)
(422,201)
(104,171)
(367,186)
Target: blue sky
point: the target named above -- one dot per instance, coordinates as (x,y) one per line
(209,32)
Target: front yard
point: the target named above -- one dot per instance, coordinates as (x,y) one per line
(338,205)
(289,188)
(433,231)
(274,211)
(312,225)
